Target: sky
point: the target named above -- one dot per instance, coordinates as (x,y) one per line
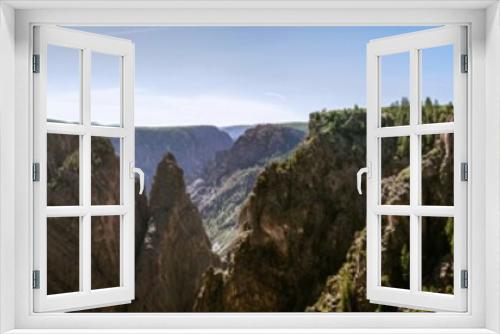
(238,75)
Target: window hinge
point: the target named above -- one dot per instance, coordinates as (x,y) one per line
(464,279)
(36,172)
(36,279)
(464,171)
(465,64)
(36,63)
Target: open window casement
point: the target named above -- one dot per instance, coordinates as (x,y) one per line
(409,56)
(65,64)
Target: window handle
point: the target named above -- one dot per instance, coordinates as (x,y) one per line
(134,170)
(361,171)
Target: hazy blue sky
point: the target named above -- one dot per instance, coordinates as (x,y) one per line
(226,76)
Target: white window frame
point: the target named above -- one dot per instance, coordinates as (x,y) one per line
(86,44)
(483,120)
(412,44)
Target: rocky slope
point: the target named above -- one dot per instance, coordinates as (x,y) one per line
(345,291)
(256,146)
(227,182)
(193,147)
(302,244)
(172,249)
(298,242)
(297,224)
(176,251)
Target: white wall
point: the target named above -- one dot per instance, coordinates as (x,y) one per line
(7,62)
(492,63)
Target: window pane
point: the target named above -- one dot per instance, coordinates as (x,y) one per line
(394,89)
(106,90)
(105,171)
(437,169)
(63,165)
(105,252)
(395,251)
(395,170)
(437,84)
(437,254)
(63,84)
(63,255)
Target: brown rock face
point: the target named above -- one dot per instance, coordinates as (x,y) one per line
(231,177)
(346,292)
(176,250)
(255,147)
(297,224)
(172,249)
(193,147)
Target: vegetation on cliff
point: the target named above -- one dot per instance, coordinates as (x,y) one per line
(302,244)
(297,223)
(172,248)
(281,207)
(228,180)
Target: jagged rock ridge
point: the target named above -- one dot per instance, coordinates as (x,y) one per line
(227,182)
(176,250)
(192,146)
(297,224)
(172,249)
(345,291)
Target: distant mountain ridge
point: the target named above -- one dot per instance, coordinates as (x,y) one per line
(286,202)
(297,224)
(172,249)
(229,179)
(236,131)
(192,146)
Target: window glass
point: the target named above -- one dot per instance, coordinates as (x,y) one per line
(437,254)
(105,252)
(63,255)
(395,89)
(437,84)
(63,84)
(395,232)
(105,107)
(63,169)
(395,170)
(437,169)
(105,169)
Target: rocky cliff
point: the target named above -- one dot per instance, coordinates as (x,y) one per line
(345,291)
(172,249)
(301,242)
(296,238)
(297,224)
(226,183)
(193,147)
(176,251)
(256,146)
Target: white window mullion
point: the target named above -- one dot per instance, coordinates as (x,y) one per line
(86,175)
(127,191)
(414,172)
(419,210)
(40,156)
(460,83)
(420,129)
(372,184)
